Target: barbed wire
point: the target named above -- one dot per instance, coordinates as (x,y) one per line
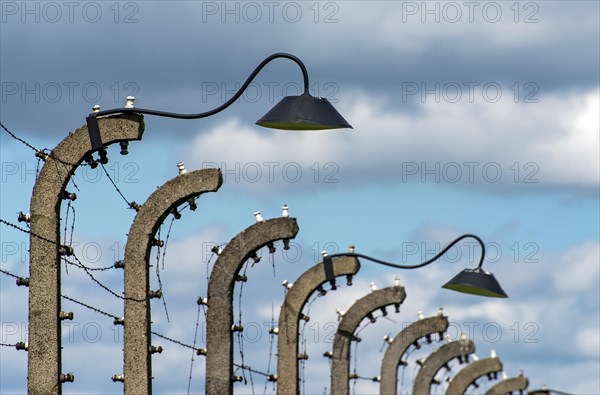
(82,266)
(402,376)
(193,352)
(240,334)
(356,377)
(207,281)
(303,368)
(97,310)
(71,177)
(271,341)
(42,152)
(272,260)
(249,369)
(65,230)
(355,363)
(6,272)
(115,185)
(160,285)
(252,382)
(18,138)
(17,227)
(78,264)
(37,167)
(72,227)
(87,270)
(173,340)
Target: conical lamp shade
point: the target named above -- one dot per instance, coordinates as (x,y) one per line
(476,282)
(303,112)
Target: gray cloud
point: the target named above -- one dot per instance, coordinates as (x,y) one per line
(173,49)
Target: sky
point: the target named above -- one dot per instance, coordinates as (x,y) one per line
(469,117)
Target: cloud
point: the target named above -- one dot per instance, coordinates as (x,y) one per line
(577,269)
(55,82)
(503,146)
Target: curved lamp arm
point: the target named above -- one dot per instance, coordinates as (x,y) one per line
(303,112)
(427,262)
(472,281)
(221,107)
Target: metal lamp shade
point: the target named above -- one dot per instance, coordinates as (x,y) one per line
(303,112)
(476,282)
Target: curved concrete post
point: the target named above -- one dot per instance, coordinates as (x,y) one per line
(340,368)
(137,334)
(403,340)
(436,360)
(470,373)
(289,316)
(219,336)
(518,383)
(44,357)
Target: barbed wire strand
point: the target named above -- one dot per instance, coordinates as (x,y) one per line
(173,340)
(87,270)
(305,322)
(6,272)
(402,375)
(163,265)
(160,285)
(355,355)
(71,178)
(72,227)
(357,377)
(207,280)
(355,363)
(37,167)
(167,243)
(272,259)
(65,230)
(44,151)
(10,224)
(78,264)
(91,269)
(271,339)
(193,351)
(17,138)
(240,335)
(252,383)
(303,368)
(115,185)
(97,310)
(249,369)
(314,298)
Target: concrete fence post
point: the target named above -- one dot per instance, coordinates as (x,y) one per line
(436,360)
(361,309)
(507,386)
(219,336)
(402,341)
(290,315)
(45,359)
(137,333)
(470,373)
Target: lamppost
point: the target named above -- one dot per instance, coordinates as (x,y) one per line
(471,281)
(304,112)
